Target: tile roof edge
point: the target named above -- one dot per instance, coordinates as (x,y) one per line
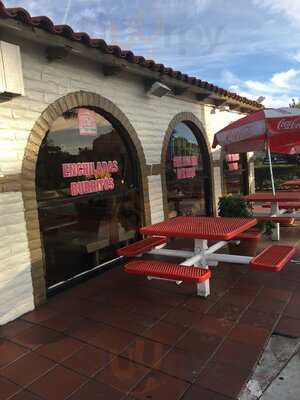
(46,24)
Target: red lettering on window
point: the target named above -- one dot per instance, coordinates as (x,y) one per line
(66,170)
(194,161)
(104,167)
(116,166)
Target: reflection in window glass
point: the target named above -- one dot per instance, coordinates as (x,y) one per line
(286,167)
(185,174)
(87,194)
(235,174)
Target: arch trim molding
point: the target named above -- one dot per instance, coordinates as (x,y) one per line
(198,129)
(28,174)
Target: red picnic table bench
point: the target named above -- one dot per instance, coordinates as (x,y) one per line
(195,268)
(287,205)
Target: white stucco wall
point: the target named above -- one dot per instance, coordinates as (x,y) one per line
(44,83)
(213,123)
(15,275)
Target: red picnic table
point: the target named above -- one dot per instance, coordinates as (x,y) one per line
(207,228)
(277,213)
(270,197)
(195,268)
(292,183)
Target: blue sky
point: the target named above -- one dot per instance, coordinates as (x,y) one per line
(248,46)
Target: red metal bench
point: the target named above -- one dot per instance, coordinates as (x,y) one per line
(141,246)
(168,270)
(280,219)
(286,205)
(273,258)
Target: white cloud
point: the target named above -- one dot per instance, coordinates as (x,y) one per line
(278,90)
(283,79)
(201,4)
(273,101)
(260,87)
(235,88)
(296,56)
(290,8)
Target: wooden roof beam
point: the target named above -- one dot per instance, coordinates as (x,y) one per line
(179,90)
(219,102)
(58,52)
(202,96)
(111,70)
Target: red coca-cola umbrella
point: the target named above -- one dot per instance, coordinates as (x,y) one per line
(276,130)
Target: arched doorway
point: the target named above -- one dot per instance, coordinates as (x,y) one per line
(187,172)
(235,174)
(88,192)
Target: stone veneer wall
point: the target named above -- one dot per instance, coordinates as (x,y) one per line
(50,89)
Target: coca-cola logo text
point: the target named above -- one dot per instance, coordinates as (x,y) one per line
(288,124)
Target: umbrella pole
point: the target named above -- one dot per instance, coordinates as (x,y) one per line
(271,168)
(275,207)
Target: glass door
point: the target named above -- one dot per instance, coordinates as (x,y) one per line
(88,194)
(187,174)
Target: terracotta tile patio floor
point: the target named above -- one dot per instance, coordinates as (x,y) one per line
(118,336)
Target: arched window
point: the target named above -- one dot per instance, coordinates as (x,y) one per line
(87,191)
(187,173)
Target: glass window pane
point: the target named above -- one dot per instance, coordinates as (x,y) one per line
(89,203)
(235,174)
(185,174)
